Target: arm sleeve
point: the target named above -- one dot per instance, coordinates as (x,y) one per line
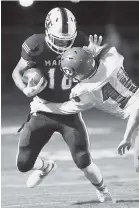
(27,48)
(69,107)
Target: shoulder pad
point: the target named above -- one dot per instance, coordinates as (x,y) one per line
(34,44)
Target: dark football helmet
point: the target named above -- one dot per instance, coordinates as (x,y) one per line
(78,64)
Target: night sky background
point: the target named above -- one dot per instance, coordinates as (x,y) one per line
(87,12)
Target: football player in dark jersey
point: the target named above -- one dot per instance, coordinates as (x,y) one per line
(44,51)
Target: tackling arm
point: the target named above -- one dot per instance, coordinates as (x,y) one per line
(69,107)
(83,102)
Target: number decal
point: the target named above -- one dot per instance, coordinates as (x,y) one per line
(65,83)
(108,91)
(51,73)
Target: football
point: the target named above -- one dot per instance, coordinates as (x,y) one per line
(33,73)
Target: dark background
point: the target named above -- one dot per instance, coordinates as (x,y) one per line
(87,12)
(118,22)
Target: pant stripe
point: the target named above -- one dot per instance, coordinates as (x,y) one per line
(82,121)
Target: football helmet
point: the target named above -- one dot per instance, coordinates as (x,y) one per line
(60,29)
(78,64)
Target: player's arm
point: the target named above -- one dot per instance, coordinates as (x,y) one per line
(69,107)
(24,63)
(80,100)
(28,89)
(18,73)
(132,125)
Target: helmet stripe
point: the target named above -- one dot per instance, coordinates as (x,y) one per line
(64,20)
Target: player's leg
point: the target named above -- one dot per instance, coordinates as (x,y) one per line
(35,134)
(136,153)
(31,141)
(76,137)
(132,130)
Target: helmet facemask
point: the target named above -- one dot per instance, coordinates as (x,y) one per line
(59,44)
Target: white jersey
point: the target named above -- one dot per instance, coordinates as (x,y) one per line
(110,90)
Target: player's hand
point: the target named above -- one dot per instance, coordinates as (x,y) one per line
(95,45)
(31,90)
(36,105)
(123,146)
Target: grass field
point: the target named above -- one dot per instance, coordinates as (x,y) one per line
(67,186)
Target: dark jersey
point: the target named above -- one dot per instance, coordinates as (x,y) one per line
(36,51)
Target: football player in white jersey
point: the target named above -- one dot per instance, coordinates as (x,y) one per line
(102,83)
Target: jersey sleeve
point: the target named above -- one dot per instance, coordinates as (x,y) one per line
(113,60)
(27,47)
(32,46)
(69,107)
(84,95)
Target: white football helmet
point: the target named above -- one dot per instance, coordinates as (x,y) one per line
(60,29)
